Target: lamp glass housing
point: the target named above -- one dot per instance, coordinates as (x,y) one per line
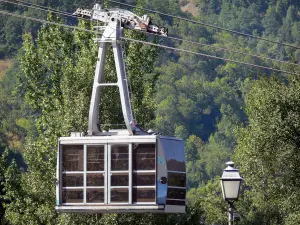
(230,189)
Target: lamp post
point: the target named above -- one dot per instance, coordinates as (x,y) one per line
(230,183)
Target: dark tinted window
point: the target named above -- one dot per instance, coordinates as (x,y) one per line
(72,157)
(176,193)
(174,152)
(177,179)
(95,195)
(119,157)
(143,156)
(175,202)
(72,180)
(143,179)
(94,179)
(95,158)
(143,195)
(119,180)
(72,196)
(119,195)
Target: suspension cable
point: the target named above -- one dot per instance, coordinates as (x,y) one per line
(39,7)
(207,25)
(206,55)
(47,22)
(221,49)
(42,8)
(148,43)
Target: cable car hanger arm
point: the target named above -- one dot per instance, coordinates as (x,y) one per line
(112,35)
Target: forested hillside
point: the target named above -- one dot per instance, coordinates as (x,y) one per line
(223,110)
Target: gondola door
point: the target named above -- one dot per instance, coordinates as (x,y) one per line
(108,174)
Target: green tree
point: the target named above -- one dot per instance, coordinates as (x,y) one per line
(208,201)
(267,151)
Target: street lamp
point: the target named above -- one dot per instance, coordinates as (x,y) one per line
(230,182)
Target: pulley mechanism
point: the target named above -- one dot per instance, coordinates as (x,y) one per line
(127,19)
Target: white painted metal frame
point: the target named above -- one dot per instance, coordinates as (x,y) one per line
(106,175)
(84,172)
(112,34)
(114,208)
(58,176)
(130,174)
(108,139)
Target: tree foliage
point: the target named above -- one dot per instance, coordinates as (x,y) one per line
(268,150)
(202,100)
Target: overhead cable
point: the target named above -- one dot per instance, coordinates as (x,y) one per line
(25,3)
(40,7)
(221,49)
(207,25)
(147,43)
(206,55)
(47,22)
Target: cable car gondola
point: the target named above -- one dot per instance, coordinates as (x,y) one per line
(119,170)
(121,173)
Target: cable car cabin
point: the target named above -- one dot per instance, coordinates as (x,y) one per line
(101,174)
